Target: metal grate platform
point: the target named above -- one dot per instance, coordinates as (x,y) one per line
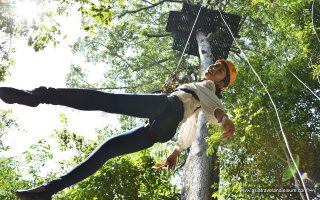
(209,21)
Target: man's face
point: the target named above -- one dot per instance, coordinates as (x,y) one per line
(216,72)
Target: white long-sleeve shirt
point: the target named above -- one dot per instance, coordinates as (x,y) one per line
(205,90)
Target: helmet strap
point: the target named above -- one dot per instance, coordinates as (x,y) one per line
(226,80)
(221,84)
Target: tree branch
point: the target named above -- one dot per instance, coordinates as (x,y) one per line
(312,19)
(147,2)
(116,88)
(148,7)
(159,35)
(159,63)
(223,7)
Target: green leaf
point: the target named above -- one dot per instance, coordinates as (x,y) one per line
(53,29)
(290,170)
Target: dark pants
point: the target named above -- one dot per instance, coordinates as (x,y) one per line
(164,113)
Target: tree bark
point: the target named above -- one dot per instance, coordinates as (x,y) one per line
(200,170)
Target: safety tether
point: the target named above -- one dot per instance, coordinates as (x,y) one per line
(169,84)
(274,106)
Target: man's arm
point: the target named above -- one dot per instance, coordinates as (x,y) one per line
(226,123)
(172,159)
(228,132)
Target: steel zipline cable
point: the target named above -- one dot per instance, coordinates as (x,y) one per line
(185,47)
(274,106)
(174,73)
(178,65)
(312,20)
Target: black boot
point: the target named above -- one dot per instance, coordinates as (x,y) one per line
(39,193)
(24,97)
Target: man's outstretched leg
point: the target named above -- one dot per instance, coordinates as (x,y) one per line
(24,97)
(129,142)
(136,105)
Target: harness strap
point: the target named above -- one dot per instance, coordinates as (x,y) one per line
(190,92)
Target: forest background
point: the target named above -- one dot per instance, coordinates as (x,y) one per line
(127,39)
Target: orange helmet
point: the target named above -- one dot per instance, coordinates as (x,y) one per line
(231,73)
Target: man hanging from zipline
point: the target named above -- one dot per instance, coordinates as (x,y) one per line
(165,112)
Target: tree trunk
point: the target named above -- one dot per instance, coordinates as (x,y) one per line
(200,170)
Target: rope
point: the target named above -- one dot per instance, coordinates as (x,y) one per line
(312,19)
(180,60)
(185,47)
(275,107)
(304,84)
(315,31)
(112,88)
